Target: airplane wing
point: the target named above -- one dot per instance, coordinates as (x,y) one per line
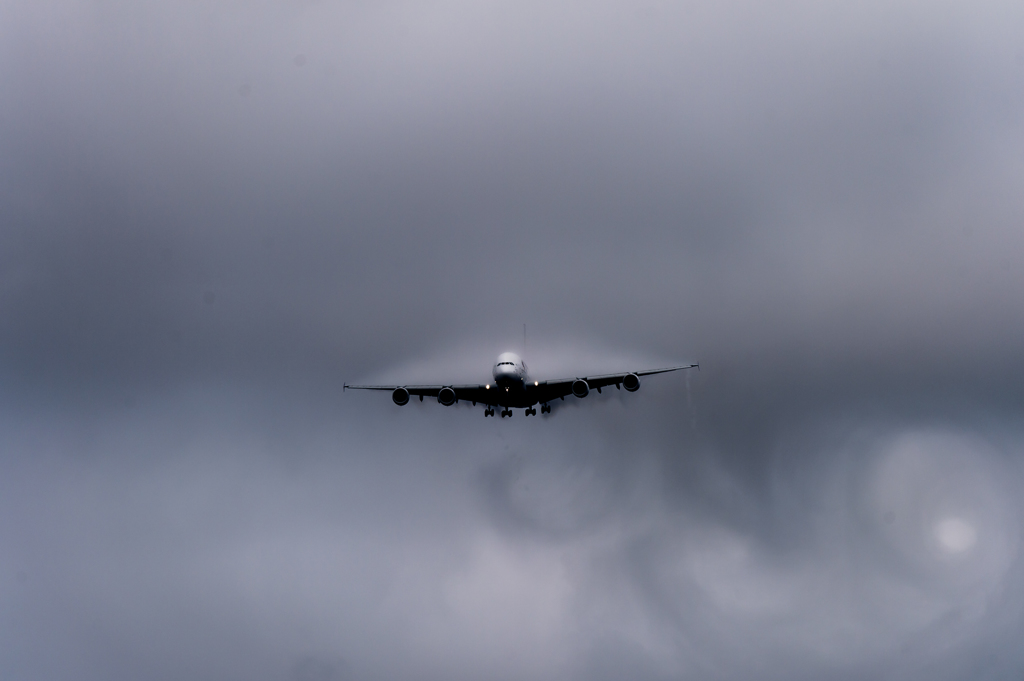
(541,391)
(467,393)
(562,387)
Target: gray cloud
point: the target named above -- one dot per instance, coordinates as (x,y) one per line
(213,216)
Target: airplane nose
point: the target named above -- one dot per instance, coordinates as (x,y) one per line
(504,373)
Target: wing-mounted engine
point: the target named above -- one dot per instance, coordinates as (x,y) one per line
(631,382)
(400,396)
(446,396)
(580,388)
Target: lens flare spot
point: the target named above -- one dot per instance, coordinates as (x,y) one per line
(955,535)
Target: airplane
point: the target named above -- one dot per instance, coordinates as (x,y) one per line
(512,388)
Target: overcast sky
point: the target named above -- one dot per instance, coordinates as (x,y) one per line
(213,214)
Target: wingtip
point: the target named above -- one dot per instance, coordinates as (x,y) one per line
(344,387)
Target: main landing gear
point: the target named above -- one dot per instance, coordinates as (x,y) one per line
(530,411)
(504,412)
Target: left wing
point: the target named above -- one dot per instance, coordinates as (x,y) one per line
(468,393)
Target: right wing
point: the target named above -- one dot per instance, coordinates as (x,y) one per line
(562,387)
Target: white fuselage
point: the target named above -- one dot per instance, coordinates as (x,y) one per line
(509,372)
(513,386)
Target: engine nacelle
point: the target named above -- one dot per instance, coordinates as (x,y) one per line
(446,397)
(400,396)
(580,388)
(631,382)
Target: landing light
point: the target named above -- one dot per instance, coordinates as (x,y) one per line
(488,386)
(536,383)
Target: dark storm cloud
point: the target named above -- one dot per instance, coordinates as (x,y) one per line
(215,214)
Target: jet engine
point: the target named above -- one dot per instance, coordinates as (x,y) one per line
(580,388)
(400,396)
(631,382)
(446,397)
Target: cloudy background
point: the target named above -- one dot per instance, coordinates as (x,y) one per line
(213,214)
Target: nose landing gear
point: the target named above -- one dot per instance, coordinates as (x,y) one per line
(531,412)
(506,412)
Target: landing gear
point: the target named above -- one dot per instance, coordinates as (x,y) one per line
(488,412)
(506,412)
(545,409)
(530,411)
